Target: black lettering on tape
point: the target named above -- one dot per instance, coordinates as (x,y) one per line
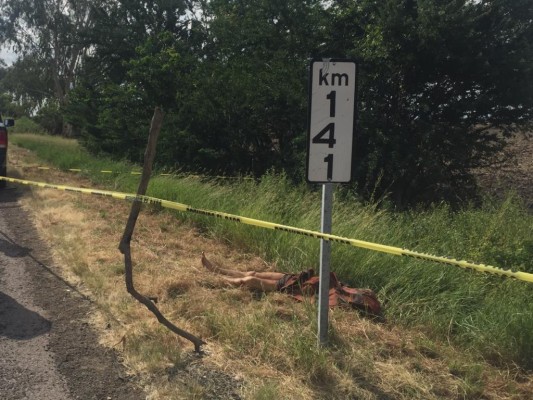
(144,200)
(343,241)
(201,212)
(213,214)
(152,201)
(310,234)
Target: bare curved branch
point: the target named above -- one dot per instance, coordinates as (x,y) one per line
(125,247)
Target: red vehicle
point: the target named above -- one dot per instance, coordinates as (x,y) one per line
(3,147)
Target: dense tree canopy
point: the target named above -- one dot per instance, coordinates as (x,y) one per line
(437,79)
(441,82)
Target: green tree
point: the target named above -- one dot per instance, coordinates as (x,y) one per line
(28,83)
(136,63)
(247,109)
(441,84)
(49,35)
(232,80)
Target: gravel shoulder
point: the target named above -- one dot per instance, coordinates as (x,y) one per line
(49,350)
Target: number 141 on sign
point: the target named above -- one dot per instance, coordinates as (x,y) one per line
(331,121)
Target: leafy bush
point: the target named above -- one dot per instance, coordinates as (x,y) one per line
(26,125)
(50,118)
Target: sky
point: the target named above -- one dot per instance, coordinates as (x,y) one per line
(7,55)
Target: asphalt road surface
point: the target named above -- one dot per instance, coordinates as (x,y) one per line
(47,348)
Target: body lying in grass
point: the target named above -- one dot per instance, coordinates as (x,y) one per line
(299,286)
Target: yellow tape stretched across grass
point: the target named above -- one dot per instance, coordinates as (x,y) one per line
(524,276)
(106,171)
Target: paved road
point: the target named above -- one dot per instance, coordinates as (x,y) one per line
(47,349)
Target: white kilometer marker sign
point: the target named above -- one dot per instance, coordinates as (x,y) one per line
(331,121)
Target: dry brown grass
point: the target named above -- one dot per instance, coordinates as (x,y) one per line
(260,347)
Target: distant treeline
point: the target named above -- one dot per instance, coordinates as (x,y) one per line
(440,82)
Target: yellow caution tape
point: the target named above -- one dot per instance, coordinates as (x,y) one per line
(524,276)
(131,173)
(81,170)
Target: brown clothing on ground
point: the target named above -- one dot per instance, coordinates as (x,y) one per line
(306,284)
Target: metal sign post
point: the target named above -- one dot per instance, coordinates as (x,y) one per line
(329,152)
(325,251)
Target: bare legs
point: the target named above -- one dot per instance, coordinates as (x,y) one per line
(264,281)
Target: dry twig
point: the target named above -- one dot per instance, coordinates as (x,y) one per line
(125,247)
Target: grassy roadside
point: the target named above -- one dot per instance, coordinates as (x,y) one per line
(265,346)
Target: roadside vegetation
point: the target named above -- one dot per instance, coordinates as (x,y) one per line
(449,333)
(443,88)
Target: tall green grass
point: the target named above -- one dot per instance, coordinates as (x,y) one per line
(491,316)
